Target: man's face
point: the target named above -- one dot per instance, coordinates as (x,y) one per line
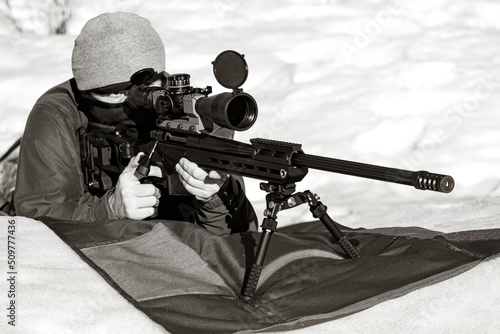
(109,98)
(114,98)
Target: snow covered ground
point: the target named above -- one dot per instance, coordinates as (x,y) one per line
(395,83)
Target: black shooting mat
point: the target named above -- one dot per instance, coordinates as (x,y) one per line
(189,280)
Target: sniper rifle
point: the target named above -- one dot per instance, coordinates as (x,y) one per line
(184,121)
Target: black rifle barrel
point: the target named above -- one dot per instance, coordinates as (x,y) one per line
(281,154)
(421,179)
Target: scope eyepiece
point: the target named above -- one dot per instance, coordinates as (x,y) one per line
(144,97)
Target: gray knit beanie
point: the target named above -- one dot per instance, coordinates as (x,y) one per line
(113,46)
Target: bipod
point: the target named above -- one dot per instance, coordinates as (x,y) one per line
(282,197)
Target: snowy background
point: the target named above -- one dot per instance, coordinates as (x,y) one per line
(408,84)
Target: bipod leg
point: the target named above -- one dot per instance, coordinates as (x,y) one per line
(276,200)
(269,225)
(318,209)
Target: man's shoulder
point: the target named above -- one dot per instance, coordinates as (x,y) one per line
(63,93)
(60,102)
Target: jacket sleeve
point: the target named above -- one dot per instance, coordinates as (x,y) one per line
(49,180)
(229,211)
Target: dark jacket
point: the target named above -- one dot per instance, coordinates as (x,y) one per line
(50,179)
